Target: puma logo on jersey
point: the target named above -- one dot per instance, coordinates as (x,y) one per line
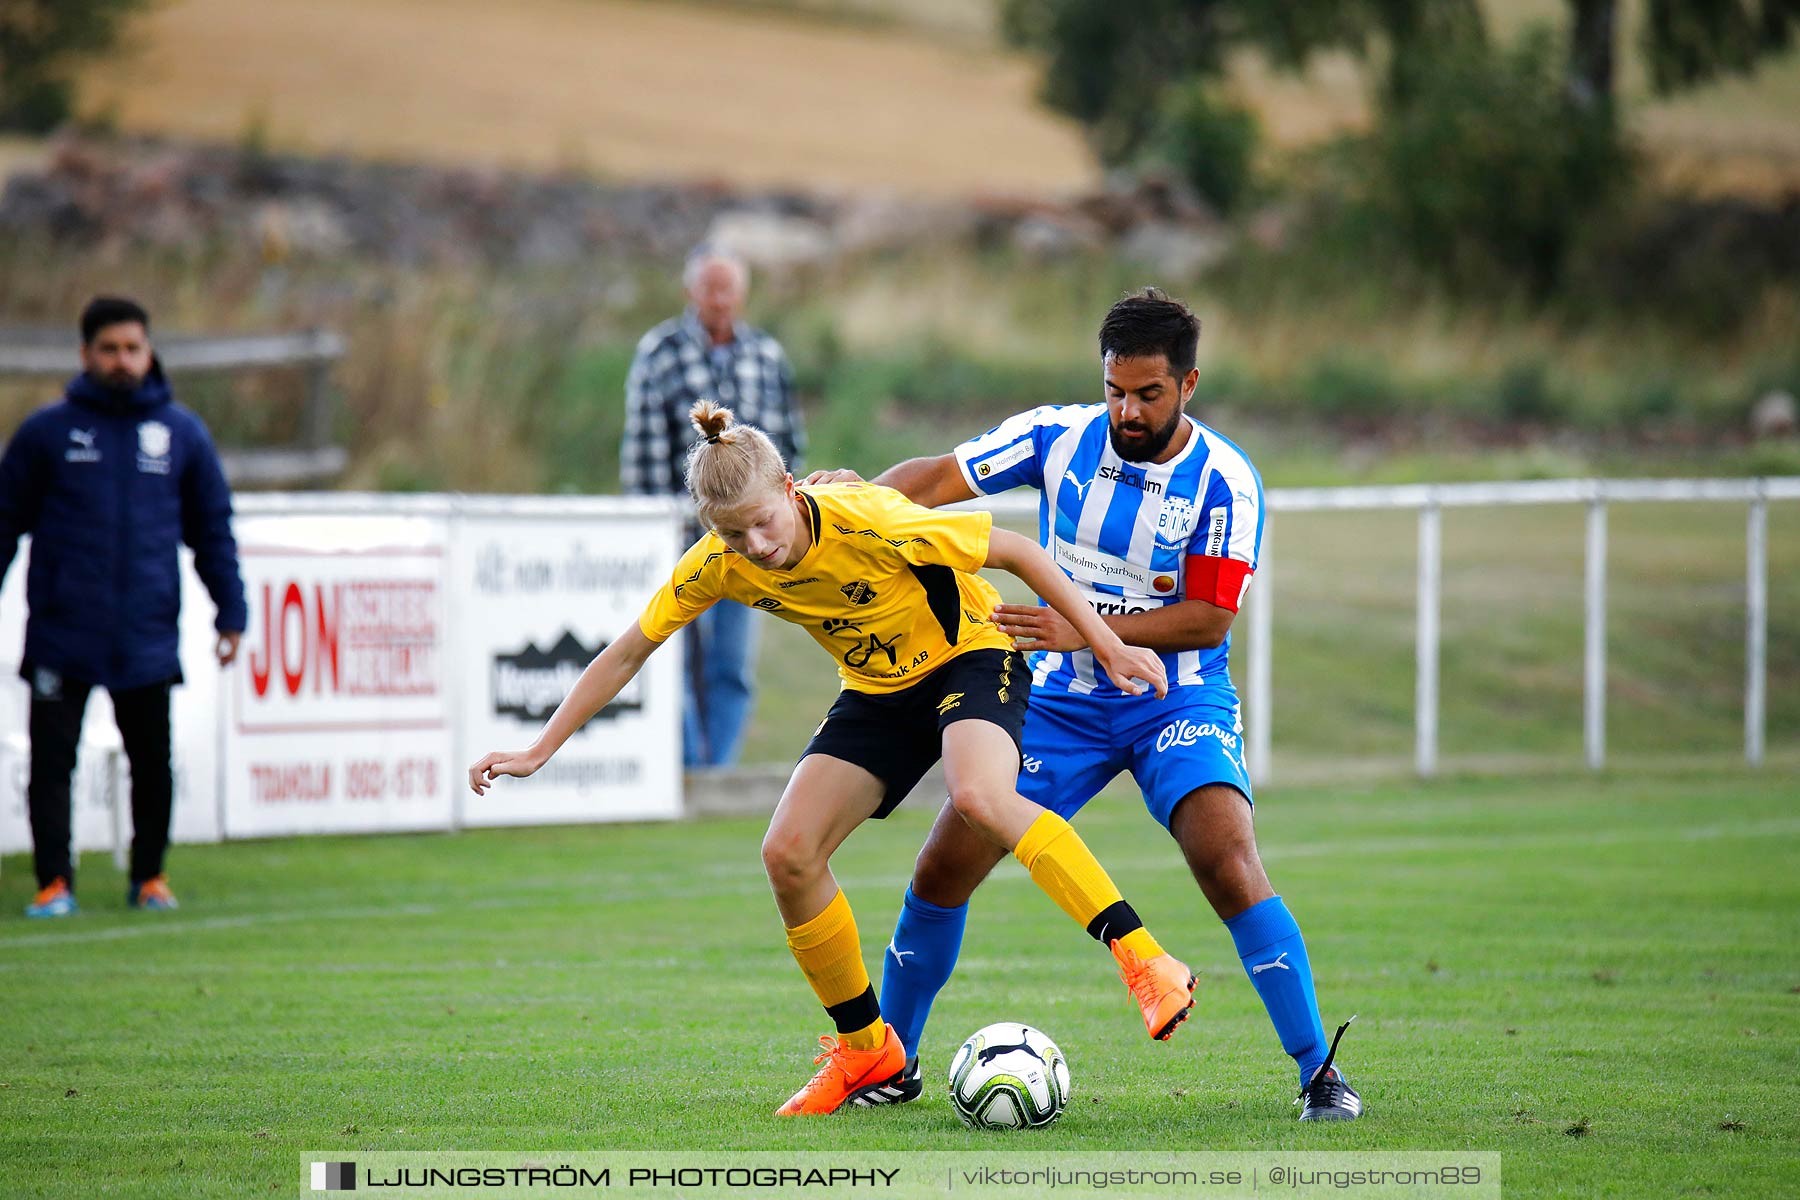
(1080,487)
(900,956)
(1259,968)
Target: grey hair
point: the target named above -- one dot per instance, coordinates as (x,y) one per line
(708,252)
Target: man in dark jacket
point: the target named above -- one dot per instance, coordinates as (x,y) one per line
(109,483)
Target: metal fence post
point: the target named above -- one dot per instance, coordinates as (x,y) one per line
(1262,628)
(121,813)
(1594,681)
(1430,594)
(1756,626)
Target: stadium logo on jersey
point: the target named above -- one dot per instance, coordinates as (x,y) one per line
(1175,523)
(788,583)
(530,684)
(858,593)
(1130,478)
(768,604)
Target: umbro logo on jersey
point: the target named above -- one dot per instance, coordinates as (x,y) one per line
(788,583)
(768,604)
(1259,968)
(953,700)
(858,593)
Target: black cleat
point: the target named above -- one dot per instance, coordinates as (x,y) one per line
(1327,1097)
(899,1090)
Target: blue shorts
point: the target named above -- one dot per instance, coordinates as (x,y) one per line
(1074,745)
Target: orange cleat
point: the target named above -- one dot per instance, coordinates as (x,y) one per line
(1163,987)
(152,895)
(846,1075)
(53,901)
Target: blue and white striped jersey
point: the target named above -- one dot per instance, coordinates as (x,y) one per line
(1133,536)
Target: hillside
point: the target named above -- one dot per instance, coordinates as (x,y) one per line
(622,89)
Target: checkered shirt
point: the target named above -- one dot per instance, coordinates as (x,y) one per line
(674,367)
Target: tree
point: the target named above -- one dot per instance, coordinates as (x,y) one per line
(1144,79)
(41,43)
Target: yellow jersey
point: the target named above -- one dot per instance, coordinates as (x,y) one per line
(888,588)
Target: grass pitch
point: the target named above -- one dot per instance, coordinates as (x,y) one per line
(1594,976)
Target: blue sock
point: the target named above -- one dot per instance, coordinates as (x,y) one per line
(1274,956)
(917,964)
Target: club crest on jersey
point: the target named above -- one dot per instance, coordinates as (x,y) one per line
(1176,522)
(859,592)
(153,439)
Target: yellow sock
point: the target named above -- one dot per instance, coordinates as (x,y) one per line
(1060,863)
(830,955)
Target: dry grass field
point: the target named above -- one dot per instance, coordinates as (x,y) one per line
(620,88)
(905,94)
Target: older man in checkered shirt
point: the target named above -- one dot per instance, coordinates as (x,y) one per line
(708,353)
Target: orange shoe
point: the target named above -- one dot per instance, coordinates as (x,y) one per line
(53,901)
(846,1075)
(152,895)
(1163,986)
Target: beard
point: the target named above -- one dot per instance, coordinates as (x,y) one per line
(1143,445)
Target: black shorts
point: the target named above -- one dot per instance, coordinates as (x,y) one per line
(897,736)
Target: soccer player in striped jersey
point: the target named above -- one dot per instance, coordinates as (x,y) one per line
(889,590)
(1158,520)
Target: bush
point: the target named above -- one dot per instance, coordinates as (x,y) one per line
(1486,170)
(1211,143)
(41,41)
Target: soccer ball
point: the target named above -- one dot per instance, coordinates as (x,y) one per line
(1008,1076)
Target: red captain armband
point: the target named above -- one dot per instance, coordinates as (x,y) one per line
(1220,581)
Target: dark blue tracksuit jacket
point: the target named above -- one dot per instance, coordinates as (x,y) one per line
(108,484)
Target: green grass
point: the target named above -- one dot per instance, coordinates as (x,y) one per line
(1526,956)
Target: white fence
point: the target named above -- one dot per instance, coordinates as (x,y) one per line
(1429,501)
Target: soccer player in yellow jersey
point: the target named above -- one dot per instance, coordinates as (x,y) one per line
(888,589)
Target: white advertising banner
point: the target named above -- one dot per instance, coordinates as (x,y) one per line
(538,595)
(339,713)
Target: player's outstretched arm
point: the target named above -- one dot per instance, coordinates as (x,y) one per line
(927,482)
(1023,557)
(603,679)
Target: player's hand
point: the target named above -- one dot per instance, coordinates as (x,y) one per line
(1032,627)
(227,649)
(517,763)
(1125,665)
(842,475)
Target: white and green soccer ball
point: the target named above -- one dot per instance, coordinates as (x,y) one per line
(1008,1076)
